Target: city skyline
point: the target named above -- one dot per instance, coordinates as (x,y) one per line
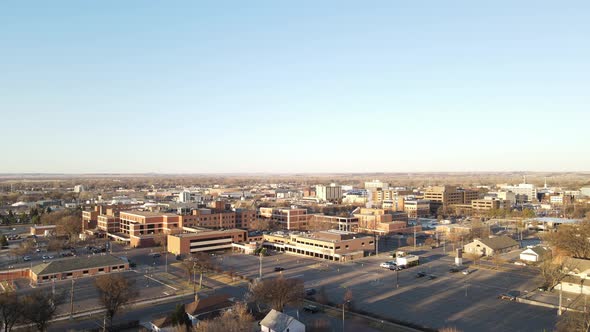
(336,87)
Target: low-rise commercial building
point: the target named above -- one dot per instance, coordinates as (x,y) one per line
(287,218)
(77,267)
(331,245)
(43,230)
(417,208)
(349,224)
(485,204)
(201,239)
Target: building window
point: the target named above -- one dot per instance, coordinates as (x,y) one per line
(85,272)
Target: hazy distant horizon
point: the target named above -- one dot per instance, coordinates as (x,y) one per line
(305,87)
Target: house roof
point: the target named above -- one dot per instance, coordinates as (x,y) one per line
(162,322)
(207,304)
(577,265)
(499,242)
(77,263)
(539,250)
(277,321)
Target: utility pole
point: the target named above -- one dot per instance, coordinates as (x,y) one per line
(377,245)
(166,267)
(72,300)
(194,279)
(559,309)
(414,237)
(260,267)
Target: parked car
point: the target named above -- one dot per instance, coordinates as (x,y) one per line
(279,269)
(27,258)
(543,289)
(50,256)
(310,292)
(45,257)
(420,274)
(466,272)
(311,308)
(387,265)
(431,277)
(454,270)
(519,263)
(511,296)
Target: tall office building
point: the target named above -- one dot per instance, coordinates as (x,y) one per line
(331,193)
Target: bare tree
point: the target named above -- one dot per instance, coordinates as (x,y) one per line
(198,262)
(11,309)
(322,297)
(473,256)
(260,224)
(278,292)
(70,226)
(237,319)
(497,260)
(571,240)
(180,319)
(114,292)
(315,224)
(40,307)
(552,272)
(347,299)
(573,322)
(202,263)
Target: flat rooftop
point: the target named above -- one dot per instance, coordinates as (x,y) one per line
(208,232)
(77,263)
(149,213)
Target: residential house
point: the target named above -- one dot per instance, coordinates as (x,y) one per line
(491,246)
(535,254)
(577,280)
(277,321)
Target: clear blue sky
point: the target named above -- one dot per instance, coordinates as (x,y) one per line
(266,86)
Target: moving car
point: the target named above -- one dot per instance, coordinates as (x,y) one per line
(310,292)
(27,258)
(454,270)
(420,274)
(466,272)
(279,269)
(311,308)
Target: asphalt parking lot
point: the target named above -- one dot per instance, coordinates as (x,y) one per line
(468,302)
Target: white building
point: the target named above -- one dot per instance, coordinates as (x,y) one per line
(525,189)
(79,188)
(329,193)
(184,196)
(376,184)
(277,321)
(535,254)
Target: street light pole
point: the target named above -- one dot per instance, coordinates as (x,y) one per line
(343,304)
(72,300)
